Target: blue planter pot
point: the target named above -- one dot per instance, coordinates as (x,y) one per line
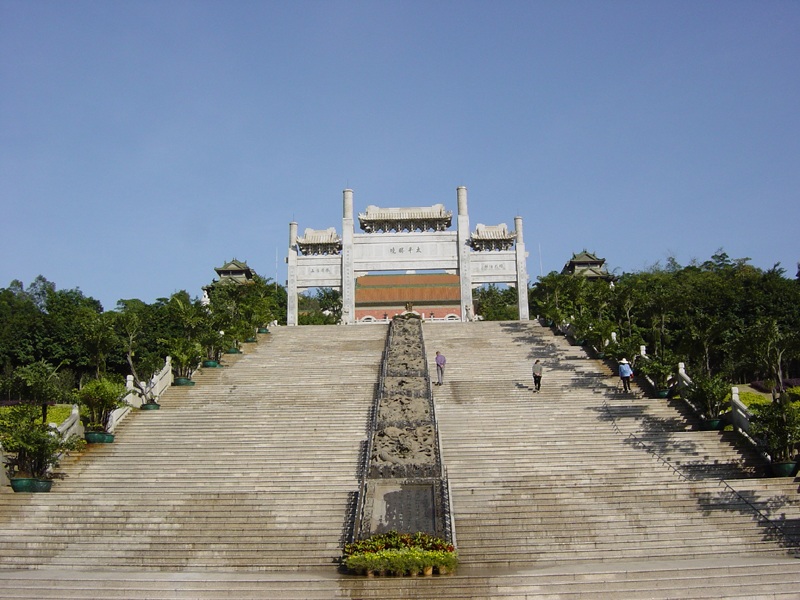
(98,437)
(711,424)
(783,469)
(30,485)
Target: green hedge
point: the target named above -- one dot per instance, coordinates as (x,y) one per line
(400,554)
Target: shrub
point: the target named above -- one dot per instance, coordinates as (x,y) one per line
(752,399)
(710,394)
(401,561)
(393,540)
(794,393)
(659,369)
(100,398)
(399,553)
(33,447)
(777,426)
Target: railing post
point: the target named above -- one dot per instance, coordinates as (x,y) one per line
(739,413)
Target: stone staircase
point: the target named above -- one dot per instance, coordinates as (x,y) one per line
(243,486)
(580,472)
(252,468)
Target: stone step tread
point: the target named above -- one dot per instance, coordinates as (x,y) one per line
(701,585)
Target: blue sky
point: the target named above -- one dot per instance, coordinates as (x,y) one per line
(143,143)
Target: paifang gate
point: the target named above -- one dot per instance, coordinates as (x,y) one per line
(406,240)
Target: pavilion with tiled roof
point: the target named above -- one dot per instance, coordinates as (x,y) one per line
(235,271)
(587,265)
(232,272)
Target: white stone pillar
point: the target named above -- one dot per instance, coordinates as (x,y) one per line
(291,282)
(522,272)
(348,274)
(464,270)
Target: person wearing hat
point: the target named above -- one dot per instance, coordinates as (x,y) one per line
(625,374)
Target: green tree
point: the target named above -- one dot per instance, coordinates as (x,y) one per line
(322,307)
(69,314)
(771,346)
(41,384)
(496,304)
(99,339)
(22,329)
(330,302)
(141,328)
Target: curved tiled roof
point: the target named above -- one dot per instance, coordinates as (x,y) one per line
(319,236)
(492,232)
(415,218)
(436,211)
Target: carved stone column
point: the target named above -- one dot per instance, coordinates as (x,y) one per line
(291,283)
(522,273)
(348,274)
(464,269)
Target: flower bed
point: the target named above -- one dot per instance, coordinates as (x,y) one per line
(400,554)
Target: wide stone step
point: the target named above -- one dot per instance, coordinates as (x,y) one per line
(671,580)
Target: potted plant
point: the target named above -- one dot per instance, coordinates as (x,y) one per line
(100,398)
(33,448)
(186,355)
(400,553)
(709,395)
(213,344)
(580,329)
(553,315)
(777,427)
(599,335)
(659,369)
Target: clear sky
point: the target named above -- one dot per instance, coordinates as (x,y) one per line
(143,143)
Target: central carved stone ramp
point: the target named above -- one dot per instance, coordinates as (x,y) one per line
(403,487)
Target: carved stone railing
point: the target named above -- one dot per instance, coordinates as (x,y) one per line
(403,482)
(154,388)
(158,384)
(740,415)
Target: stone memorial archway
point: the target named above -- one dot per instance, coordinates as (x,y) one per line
(406,239)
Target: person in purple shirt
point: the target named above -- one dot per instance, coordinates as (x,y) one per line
(440,362)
